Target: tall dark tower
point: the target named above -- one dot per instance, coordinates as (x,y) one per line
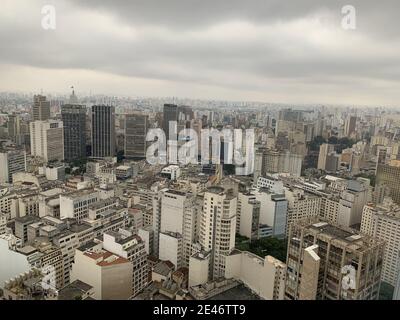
(103,131)
(74,119)
(171,113)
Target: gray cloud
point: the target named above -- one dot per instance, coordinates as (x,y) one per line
(234,45)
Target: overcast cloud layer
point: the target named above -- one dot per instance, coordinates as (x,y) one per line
(259,50)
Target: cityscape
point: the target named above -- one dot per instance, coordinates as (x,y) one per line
(112,193)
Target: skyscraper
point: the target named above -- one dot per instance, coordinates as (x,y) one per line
(171,113)
(136,126)
(350,126)
(40,108)
(324,150)
(47,140)
(103,131)
(218,227)
(74,120)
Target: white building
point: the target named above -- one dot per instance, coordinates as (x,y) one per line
(146,234)
(172,172)
(301,205)
(265,277)
(53,172)
(248,215)
(179,215)
(130,247)
(76,204)
(171,248)
(270,182)
(351,203)
(218,227)
(383,222)
(273,211)
(47,140)
(109,274)
(199,267)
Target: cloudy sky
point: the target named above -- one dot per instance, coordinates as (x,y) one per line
(260,50)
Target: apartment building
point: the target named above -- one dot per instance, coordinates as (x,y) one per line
(383,222)
(328,262)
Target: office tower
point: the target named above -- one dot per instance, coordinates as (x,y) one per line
(178,215)
(40,108)
(132,248)
(383,222)
(350,126)
(47,140)
(170,113)
(388,176)
(324,150)
(103,131)
(74,121)
(218,227)
(320,255)
(109,274)
(248,215)
(136,126)
(11,161)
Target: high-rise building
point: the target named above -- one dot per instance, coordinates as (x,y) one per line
(136,126)
(218,227)
(103,131)
(248,215)
(170,113)
(178,215)
(351,203)
(47,140)
(389,176)
(74,121)
(301,205)
(274,161)
(40,108)
(273,211)
(324,150)
(383,222)
(325,262)
(11,161)
(350,125)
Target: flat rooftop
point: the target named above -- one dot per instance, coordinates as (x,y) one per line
(240,292)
